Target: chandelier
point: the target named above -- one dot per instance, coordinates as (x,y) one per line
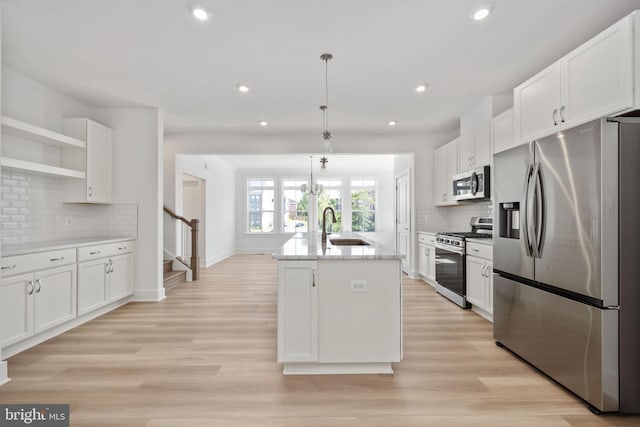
(313,188)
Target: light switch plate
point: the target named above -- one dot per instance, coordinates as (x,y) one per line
(358,286)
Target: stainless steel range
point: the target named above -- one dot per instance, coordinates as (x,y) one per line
(451,274)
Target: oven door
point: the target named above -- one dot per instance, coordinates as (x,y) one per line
(451,274)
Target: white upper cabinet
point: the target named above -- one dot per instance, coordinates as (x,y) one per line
(502,131)
(445,161)
(474,148)
(592,81)
(97,160)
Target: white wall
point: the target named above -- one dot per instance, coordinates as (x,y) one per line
(4,376)
(220,221)
(137,178)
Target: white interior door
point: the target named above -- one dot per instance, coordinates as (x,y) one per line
(403,219)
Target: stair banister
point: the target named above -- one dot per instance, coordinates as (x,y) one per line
(194,225)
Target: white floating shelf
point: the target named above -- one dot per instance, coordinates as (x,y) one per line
(38,134)
(40,168)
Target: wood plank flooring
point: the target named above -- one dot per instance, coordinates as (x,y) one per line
(205,356)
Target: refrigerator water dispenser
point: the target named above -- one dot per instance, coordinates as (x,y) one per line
(510,220)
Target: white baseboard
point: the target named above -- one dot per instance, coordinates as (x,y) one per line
(152,295)
(336,368)
(4,376)
(216,259)
(255,251)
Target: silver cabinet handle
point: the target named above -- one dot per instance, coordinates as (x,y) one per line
(475,250)
(313,278)
(56,259)
(122,248)
(555,118)
(562,110)
(39,288)
(94,253)
(90,191)
(30,287)
(9,267)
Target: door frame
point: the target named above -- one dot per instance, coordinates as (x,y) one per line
(411,239)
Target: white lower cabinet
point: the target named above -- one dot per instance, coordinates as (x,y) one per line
(32,303)
(297,311)
(121,277)
(480,278)
(103,280)
(427,256)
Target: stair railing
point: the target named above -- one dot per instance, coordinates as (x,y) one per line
(189,242)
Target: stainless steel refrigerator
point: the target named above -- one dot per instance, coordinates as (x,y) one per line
(566,259)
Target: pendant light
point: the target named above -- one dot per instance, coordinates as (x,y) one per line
(326,133)
(313,188)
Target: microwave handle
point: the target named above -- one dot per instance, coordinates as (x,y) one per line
(474,183)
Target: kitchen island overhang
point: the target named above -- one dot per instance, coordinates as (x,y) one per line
(339,306)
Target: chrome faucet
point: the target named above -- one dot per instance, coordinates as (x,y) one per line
(324,222)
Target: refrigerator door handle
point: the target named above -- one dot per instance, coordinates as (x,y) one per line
(528,213)
(539,211)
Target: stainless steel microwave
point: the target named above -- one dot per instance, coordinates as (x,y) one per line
(472,184)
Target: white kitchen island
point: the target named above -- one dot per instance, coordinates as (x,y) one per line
(339,307)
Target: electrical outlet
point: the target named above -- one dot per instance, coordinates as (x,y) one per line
(358,286)
(67,220)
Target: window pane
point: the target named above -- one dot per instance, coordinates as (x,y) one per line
(363,199)
(332,198)
(363,221)
(295,207)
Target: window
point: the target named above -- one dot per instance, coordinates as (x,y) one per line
(363,205)
(331,196)
(261,205)
(295,206)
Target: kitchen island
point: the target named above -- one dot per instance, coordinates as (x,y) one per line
(339,305)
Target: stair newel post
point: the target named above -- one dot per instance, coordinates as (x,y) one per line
(195,258)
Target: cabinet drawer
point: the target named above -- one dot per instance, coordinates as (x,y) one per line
(39,261)
(107,250)
(479,250)
(427,238)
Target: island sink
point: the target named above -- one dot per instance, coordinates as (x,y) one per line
(348,242)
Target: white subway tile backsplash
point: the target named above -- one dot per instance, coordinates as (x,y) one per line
(31,211)
(450,218)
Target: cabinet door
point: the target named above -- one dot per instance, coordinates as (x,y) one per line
(466,152)
(599,75)
(502,131)
(54,297)
(16,309)
(98,163)
(121,277)
(452,169)
(431,264)
(440,192)
(422,260)
(297,311)
(476,287)
(534,103)
(92,286)
(489,286)
(482,146)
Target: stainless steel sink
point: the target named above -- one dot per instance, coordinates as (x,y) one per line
(348,242)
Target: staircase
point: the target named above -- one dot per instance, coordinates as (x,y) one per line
(172,278)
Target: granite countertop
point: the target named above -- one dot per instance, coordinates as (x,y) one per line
(308,246)
(52,245)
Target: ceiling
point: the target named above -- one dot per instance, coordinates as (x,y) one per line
(153,53)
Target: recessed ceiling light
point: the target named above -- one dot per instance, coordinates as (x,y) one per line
(421,88)
(200,12)
(392,122)
(263,123)
(481,12)
(243,88)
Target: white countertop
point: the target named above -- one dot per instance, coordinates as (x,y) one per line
(53,245)
(308,246)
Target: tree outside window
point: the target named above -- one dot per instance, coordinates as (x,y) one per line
(363,205)
(330,196)
(295,206)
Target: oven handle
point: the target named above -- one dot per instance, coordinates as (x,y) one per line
(450,249)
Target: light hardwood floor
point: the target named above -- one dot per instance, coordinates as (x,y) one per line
(205,356)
